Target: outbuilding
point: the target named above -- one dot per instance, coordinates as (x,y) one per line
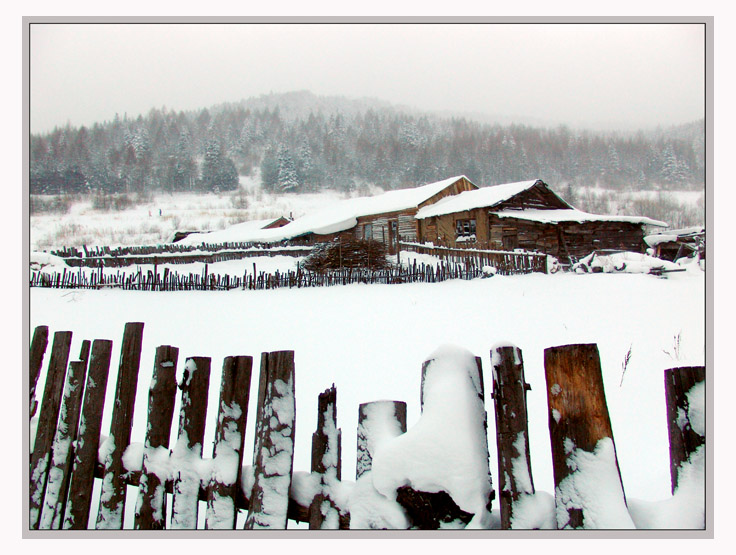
(527,215)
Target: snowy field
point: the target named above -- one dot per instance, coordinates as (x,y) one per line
(370,341)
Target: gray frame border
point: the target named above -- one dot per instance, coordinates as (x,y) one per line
(707,533)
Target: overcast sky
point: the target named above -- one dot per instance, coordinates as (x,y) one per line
(627,75)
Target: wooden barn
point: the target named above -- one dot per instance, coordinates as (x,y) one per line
(527,215)
(388,218)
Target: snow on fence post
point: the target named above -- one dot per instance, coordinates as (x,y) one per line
(187,454)
(112,497)
(227,454)
(46,427)
(589,492)
(150,512)
(38,348)
(378,421)
(326,462)
(63,447)
(685,420)
(88,437)
(274,454)
(512,433)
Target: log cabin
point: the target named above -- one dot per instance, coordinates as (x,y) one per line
(388,218)
(527,215)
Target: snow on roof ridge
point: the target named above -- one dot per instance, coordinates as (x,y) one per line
(477,198)
(575,215)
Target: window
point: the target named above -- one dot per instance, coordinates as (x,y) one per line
(368,231)
(465,230)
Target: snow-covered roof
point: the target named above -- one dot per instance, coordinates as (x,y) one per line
(339,216)
(673,235)
(573,215)
(478,198)
(232,234)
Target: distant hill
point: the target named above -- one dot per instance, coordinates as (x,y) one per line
(302,142)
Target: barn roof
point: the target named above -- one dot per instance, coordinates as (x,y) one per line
(484,197)
(232,234)
(573,215)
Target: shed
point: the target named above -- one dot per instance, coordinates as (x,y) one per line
(527,215)
(677,243)
(234,234)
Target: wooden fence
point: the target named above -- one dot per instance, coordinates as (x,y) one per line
(505,262)
(155,280)
(67,447)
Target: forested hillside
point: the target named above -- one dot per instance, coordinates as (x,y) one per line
(304,143)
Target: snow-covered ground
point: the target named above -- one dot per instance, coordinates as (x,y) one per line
(370,341)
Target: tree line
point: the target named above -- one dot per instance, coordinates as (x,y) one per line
(206,151)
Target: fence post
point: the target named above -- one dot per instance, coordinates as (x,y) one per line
(274,457)
(38,349)
(194,386)
(112,500)
(63,447)
(684,439)
(227,453)
(88,437)
(326,461)
(378,421)
(46,427)
(150,511)
(583,450)
(512,434)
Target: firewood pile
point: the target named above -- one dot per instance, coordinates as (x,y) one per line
(347,253)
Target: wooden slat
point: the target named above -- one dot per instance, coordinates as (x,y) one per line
(88,437)
(580,428)
(684,441)
(150,513)
(63,449)
(38,349)
(275,441)
(326,462)
(47,418)
(229,438)
(512,433)
(112,499)
(194,387)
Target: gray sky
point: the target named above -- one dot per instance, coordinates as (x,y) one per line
(627,75)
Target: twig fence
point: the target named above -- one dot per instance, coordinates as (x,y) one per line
(154,280)
(505,262)
(64,459)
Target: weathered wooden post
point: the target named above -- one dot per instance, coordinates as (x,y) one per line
(150,512)
(378,421)
(229,438)
(274,446)
(686,430)
(326,462)
(46,427)
(88,437)
(63,447)
(194,386)
(112,499)
(512,433)
(38,348)
(583,451)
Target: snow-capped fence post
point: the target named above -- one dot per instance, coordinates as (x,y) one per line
(63,447)
(378,421)
(326,462)
(194,384)
(88,437)
(112,498)
(150,512)
(274,445)
(227,454)
(46,427)
(685,426)
(38,348)
(583,450)
(512,433)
